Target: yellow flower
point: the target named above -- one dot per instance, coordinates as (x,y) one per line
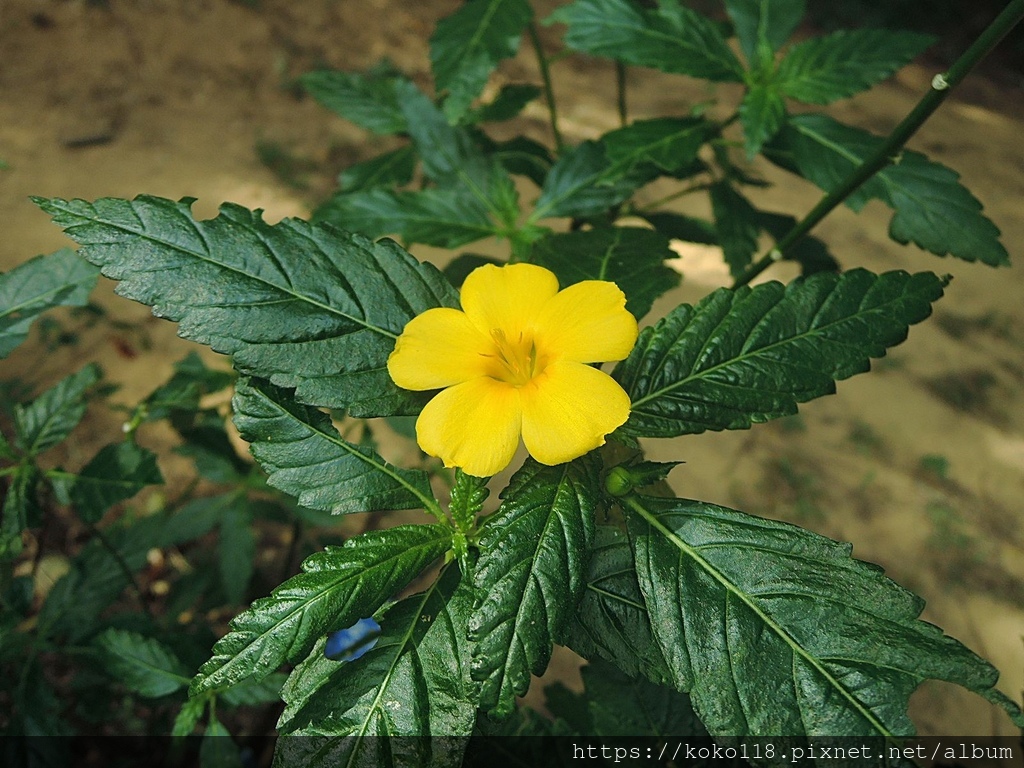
(514,362)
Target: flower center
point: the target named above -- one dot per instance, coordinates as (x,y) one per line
(516,360)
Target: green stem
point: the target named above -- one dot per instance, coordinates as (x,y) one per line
(549,93)
(653,206)
(889,149)
(620,86)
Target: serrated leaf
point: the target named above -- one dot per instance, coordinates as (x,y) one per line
(117,472)
(736,222)
(370,99)
(60,279)
(237,551)
(248,693)
(218,749)
(824,69)
(750,355)
(337,587)
(595,176)
(621,705)
(762,113)
(467,45)
(611,620)
(445,218)
(306,305)
(392,169)
(413,683)
(932,209)
(50,418)
(530,575)
(190,381)
(188,716)
(508,103)
(631,257)
(671,37)
(763,26)
(676,226)
(524,157)
(738,604)
(304,455)
(142,664)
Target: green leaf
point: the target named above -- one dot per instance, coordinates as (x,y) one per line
(188,716)
(190,381)
(413,683)
(20,506)
(809,252)
(467,45)
(60,279)
(750,355)
(218,749)
(763,26)
(305,305)
(249,693)
(738,604)
(932,209)
(509,102)
(621,705)
(392,169)
(117,472)
(595,176)
(50,418)
(445,218)
(762,114)
(824,69)
(631,257)
(671,38)
(530,575)
(458,269)
(305,456)
(676,226)
(370,100)
(524,157)
(611,620)
(736,221)
(336,588)
(142,664)
(237,551)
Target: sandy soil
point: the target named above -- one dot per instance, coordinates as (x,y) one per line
(920,464)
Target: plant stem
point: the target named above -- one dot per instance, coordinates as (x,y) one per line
(549,93)
(652,206)
(620,86)
(889,149)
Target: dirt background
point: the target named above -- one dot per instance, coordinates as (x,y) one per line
(920,464)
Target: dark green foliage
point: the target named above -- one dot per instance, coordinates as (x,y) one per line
(116,473)
(369,100)
(533,558)
(304,455)
(307,306)
(337,587)
(414,682)
(50,418)
(632,258)
(746,356)
(60,279)
(931,208)
(738,603)
(142,664)
(467,46)
(671,38)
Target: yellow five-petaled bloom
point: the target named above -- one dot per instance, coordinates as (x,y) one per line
(514,362)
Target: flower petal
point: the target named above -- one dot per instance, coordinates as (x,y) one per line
(474,425)
(507,298)
(569,409)
(438,348)
(588,323)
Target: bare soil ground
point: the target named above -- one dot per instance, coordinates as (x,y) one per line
(920,463)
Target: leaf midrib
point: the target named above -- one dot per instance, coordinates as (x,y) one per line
(760,350)
(207,259)
(767,620)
